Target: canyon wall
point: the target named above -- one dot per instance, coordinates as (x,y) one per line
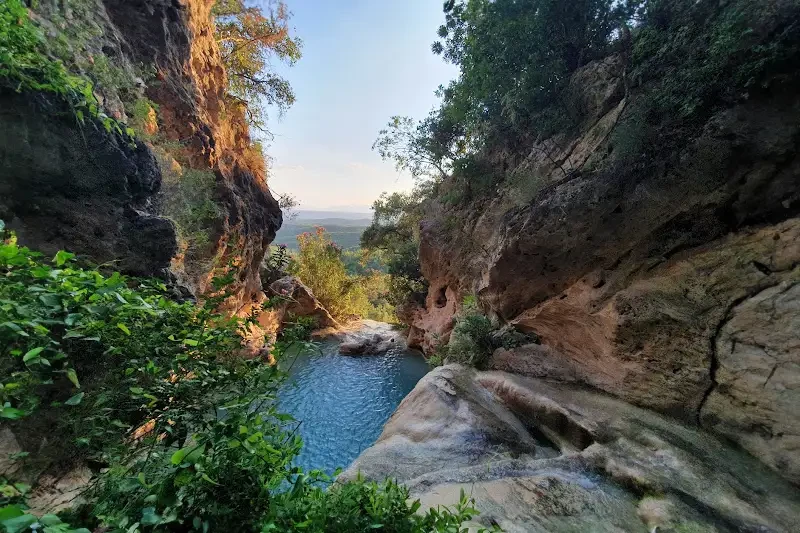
(82,188)
(672,284)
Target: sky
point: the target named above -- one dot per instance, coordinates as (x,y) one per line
(363,62)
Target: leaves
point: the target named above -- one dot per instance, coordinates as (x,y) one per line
(73,377)
(146,388)
(62,257)
(32,355)
(18,523)
(75,400)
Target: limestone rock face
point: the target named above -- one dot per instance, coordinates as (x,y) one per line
(177,39)
(755,396)
(635,276)
(84,190)
(539,457)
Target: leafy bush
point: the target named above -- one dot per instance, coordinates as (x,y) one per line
(276,265)
(187,431)
(394,233)
(475,337)
(381,507)
(188,198)
(319,264)
(694,55)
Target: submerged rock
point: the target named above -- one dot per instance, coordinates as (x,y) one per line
(544,457)
(374,345)
(365,337)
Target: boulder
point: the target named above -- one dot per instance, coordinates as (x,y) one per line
(544,457)
(372,345)
(365,337)
(300,301)
(290,298)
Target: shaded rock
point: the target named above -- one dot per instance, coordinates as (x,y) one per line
(539,457)
(176,39)
(56,493)
(84,190)
(755,395)
(8,447)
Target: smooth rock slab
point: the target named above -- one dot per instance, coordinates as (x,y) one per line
(544,457)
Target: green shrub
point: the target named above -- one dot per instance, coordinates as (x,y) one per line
(319,264)
(188,198)
(475,337)
(361,506)
(187,431)
(695,55)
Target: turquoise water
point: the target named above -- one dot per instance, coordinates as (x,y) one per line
(343,402)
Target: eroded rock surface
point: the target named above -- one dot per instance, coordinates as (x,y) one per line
(86,190)
(633,275)
(539,457)
(755,396)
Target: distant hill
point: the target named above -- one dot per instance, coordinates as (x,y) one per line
(346,232)
(306,215)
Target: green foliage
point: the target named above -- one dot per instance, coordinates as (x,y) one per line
(394,233)
(360,506)
(142,114)
(249,37)
(319,264)
(188,432)
(64,328)
(187,197)
(276,265)
(475,337)
(510,87)
(693,56)
(25,66)
(682,60)
(427,149)
(15,519)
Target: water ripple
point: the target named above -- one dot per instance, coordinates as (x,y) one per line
(343,402)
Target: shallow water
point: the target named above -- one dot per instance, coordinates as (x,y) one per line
(343,402)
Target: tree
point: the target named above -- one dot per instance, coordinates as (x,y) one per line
(415,148)
(249,37)
(319,264)
(516,58)
(395,232)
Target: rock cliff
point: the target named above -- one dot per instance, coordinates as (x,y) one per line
(87,190)
(671,283)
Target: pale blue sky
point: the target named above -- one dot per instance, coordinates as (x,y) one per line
(363,61)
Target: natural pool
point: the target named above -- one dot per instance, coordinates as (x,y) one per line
(343,402)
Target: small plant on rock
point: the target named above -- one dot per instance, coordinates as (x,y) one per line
(475,337)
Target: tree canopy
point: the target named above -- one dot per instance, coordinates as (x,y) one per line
(250,36)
